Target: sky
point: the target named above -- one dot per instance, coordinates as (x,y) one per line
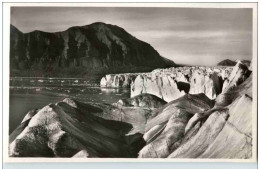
(194,36)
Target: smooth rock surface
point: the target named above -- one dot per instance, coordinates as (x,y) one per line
(237,133)
(226,133)
(71,128)
(160,144)
(205,136)
(166,125)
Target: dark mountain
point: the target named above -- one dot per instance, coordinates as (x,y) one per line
(97,48)
(227,62)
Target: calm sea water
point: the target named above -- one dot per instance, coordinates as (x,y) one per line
(25,97)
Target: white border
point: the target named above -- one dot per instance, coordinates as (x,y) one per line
(6,38)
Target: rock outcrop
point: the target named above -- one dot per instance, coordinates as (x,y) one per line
(195,146)
(166,125)
(94,48)
(237,133)
(74,129)
(232,124)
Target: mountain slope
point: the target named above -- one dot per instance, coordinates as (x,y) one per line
(106,47)
(227,62)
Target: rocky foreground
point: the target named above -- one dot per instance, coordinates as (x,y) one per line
(194,112)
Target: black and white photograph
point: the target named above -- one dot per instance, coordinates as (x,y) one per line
(134,82)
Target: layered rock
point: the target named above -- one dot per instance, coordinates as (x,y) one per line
(195,146)
(166,126)
(229,120)
(74,129)
(161,141)
(237,133)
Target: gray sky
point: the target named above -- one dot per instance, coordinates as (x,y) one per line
(196,36)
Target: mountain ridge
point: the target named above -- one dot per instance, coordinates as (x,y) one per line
(98,45)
